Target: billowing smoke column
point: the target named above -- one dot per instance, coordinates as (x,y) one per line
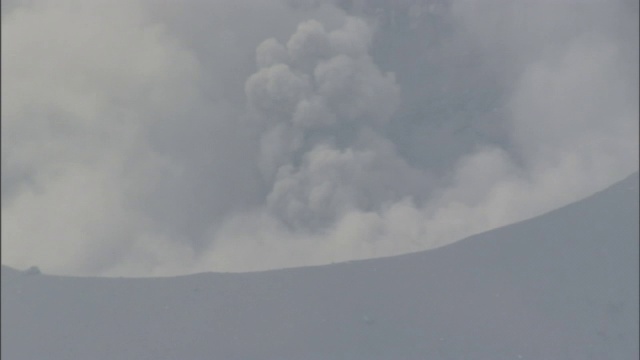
(322,106)
(246,135)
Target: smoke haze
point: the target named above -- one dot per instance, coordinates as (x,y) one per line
(147,138)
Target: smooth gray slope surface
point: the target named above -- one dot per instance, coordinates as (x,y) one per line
(560,286)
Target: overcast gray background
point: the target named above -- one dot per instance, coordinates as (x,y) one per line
(158,137)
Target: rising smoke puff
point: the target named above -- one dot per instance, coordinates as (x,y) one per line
(316,179)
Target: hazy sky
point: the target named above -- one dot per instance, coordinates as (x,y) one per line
(157,137)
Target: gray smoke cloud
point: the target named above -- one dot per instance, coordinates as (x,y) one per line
(148,138)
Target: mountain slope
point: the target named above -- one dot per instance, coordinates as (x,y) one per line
(561,286)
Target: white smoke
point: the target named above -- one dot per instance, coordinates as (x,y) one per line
(152,138)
